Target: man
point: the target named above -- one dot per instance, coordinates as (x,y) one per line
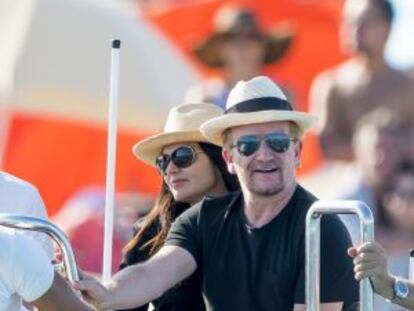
(20,197)
(26,272)
(370,261)
(344,94)
(248,246)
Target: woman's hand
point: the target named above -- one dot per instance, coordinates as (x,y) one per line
(92,291)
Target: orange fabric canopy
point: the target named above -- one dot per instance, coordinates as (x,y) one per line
(60,157)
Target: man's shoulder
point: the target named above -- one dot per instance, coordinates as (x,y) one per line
(219,204)
(339,77)
(211,207)
(19,196)
(304,196)
(224,199)
(15,184)
(306,199)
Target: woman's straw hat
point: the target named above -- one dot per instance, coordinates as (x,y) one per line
(182,125)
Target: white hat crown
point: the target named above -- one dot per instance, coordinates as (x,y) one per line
(258,87)
(256,101)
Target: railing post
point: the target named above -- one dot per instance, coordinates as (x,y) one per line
(22,222)
(313,235)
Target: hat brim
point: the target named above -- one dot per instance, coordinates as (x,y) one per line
(276,44)
(148,149)
(213,129)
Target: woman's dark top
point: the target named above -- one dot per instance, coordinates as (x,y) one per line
(185,296)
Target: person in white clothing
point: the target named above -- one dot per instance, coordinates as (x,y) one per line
(21,197)
(27,273)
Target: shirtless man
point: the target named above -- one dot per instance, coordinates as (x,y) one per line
(343,94)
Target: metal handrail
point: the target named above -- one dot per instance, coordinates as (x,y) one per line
(313,239)
(22,222)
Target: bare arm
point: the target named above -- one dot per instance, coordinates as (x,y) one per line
(60,297)
(141,283)
(333,133)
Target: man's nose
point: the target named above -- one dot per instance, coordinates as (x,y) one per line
(264,152)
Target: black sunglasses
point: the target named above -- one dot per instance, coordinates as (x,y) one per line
(182,157)
(249,144)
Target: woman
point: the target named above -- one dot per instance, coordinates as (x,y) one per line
(191,169)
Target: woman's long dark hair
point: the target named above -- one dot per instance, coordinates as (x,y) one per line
(166,209)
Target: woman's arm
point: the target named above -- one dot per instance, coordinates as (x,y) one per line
(141,283)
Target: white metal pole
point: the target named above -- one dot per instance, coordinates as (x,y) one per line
(411,270)
(111,160)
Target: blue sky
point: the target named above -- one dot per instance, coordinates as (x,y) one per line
(400,50)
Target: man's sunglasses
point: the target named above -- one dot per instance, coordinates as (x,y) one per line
(249,144)
(182,157)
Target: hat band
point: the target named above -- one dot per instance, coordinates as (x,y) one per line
(260,104)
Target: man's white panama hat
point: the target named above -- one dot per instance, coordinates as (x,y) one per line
(182,125)
(258,100)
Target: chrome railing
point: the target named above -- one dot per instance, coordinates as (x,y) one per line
(21,222)
(313,226)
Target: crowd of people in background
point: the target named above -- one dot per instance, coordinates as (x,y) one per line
(366,133)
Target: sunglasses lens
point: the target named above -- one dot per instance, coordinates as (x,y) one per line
(183,157)
(162,162)
(278,142)
(247,145)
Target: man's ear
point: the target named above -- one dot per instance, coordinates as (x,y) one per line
(298,152)
(228,158)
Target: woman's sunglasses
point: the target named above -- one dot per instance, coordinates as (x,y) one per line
(182,157)
(249,144)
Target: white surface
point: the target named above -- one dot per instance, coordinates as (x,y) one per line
(55,58)
(20,197)
(21,275)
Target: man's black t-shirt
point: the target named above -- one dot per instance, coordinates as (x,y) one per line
(262,268)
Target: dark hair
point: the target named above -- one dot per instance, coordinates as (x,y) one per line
(166,209)
(214,153)
(386,8)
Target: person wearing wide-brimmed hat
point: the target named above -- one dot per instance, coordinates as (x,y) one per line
(191,168)
(247,246)
(241,48)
